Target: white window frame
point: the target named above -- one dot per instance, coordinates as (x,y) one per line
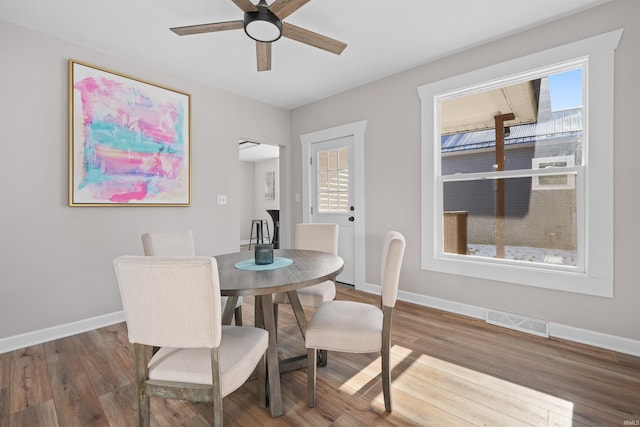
(595,274)
(568,161)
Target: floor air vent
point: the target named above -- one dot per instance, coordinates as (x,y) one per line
(519,323)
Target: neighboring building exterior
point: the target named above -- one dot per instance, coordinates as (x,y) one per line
(544,208)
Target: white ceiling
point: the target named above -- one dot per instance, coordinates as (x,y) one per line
(258,152)
(383,37)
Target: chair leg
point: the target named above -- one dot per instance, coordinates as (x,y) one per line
(141,371)
(238,315)
(322,358)
(266,223)
(251,235)
(144,410)
(275,318)
(386,356)
(311,376)
(217,416)
(216,393)
(262,381)
(386,378)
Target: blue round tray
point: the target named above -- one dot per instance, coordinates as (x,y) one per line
(250,264)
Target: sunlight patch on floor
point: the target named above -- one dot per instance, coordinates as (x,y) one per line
(470,395)
(364,376)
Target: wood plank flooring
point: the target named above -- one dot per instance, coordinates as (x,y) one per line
(448,370)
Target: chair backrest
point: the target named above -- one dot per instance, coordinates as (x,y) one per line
(169,243)
(171,301)
(317,237)
(392,254)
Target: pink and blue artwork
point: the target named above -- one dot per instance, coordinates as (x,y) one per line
(129,141)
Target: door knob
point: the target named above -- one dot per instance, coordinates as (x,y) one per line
(351,219)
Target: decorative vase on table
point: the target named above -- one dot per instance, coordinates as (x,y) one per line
(263,254)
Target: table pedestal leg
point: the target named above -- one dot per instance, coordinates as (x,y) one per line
(264,305)
(302,324)
(294,300)
(229,309)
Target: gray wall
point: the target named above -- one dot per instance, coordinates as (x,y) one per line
(55,261)
(392,172)
(247,198)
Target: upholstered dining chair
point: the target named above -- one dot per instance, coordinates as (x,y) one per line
(321,237)
(315,237)
(174,303)
(355,327)
(179,243)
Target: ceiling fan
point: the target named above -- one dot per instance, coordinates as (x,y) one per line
(263,23)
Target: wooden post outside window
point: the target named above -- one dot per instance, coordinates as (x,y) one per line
(500,203)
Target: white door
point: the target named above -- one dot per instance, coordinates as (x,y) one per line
(332,200)
(333,190)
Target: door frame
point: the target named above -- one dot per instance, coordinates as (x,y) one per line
(355,130)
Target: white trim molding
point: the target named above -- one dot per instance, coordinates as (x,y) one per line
(60,331)
(594,180)
(357,130)
(556,330)
(584,336)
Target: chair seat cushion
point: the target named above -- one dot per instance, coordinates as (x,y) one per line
(240,351)
(345,326)
(311,296)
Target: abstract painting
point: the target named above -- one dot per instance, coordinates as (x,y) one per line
(129,141)
(269,185)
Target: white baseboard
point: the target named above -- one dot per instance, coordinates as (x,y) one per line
(55,332)
(597,339)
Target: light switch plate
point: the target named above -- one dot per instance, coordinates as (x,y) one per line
(222,199)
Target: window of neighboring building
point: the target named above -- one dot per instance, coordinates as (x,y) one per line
(494,136)
(553,182)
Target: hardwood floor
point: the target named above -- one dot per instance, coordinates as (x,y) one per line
(448,370)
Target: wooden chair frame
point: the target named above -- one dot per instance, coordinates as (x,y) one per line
(393,253)
(385,353)
(147,388)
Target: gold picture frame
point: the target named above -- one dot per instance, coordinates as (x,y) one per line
(129,140)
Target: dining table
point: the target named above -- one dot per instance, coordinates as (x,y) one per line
(291,270)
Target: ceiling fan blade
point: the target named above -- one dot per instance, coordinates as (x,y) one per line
(208,28)
(284,8)
(245,5)
(312,39)
(263,55)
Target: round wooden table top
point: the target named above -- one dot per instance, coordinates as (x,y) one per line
(308,268)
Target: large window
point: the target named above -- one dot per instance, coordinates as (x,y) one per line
(492,139)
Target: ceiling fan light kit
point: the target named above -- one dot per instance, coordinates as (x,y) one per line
(263,23)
